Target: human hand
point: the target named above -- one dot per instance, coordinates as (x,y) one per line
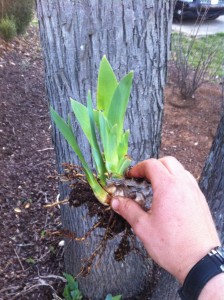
(178,230)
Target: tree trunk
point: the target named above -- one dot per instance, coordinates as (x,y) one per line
(134,35)
(166,288)
(212,179)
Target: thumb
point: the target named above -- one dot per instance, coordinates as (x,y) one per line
(132,213)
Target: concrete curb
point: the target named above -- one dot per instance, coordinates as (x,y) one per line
(207,28)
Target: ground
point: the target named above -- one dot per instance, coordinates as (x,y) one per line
(31,256)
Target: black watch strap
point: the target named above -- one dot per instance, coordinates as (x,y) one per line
(208,267)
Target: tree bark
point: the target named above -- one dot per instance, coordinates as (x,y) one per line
(166,288)
(212,179)
(134,35)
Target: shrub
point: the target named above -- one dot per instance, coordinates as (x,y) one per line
(7,29)
(196,59)
(20,10)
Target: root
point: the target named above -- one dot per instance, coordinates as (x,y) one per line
(123,249)
(71,235)
(112,228)
(81,194)
(72,172)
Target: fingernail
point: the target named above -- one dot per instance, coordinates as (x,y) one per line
(115,203)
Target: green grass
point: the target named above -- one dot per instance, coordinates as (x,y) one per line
(199,48)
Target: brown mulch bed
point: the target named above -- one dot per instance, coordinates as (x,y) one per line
(27,169)
(30,256)
(189,127)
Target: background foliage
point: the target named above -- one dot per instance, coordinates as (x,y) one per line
(20,11)
(7,28)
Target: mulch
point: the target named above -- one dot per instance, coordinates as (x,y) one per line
(29,255)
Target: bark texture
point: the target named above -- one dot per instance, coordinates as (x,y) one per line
(166,288)
(134,35)
(212,179)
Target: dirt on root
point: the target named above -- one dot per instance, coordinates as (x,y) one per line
(31,262)
(106,219)
(112,223)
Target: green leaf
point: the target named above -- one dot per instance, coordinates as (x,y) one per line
(30,260)
(123,145)
(95,147)
(66,293)
(117,160)
(68,134)
(81,114)
(72,283)
(86,118)
(109,140)
(96,117)
(43,233)
(110,297)
(76,295)
(71,290)
(118,106)
(111,122)
(104,133)
(109,154)
(124,163)
(107,83)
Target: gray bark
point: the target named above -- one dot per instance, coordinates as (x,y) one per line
(166,288)
(212,179)
(134,35)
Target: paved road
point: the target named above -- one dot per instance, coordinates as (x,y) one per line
(208,27)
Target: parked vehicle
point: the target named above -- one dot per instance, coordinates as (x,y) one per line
(193,9)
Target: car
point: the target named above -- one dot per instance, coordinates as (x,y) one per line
(197,9)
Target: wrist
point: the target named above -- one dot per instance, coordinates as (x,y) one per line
(213,289)
(204,271)
(190,261)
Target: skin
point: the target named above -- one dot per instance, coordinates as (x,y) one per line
(178,230)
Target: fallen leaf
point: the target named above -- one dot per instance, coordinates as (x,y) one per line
(27,205)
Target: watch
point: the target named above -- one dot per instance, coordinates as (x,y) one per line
(209,266)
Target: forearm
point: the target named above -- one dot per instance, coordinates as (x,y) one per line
(214,289)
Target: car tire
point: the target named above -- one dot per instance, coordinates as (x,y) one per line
(177,19)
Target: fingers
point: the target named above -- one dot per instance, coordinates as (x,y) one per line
(172,165)
(176,168)
(191,177)
(133,214)
(156,170)
(152,170)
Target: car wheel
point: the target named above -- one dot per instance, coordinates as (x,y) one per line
(177,18)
